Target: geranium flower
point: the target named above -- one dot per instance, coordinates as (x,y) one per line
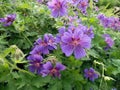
(60,34)
(48,43)
(83,5)
(8,20)
(50,69)
(36,65)
(75,42)
(90,74)
(73,2)
(108,40)
(58,7)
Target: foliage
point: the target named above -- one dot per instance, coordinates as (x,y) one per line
(34,20)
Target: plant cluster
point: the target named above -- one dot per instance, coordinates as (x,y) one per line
(58,45)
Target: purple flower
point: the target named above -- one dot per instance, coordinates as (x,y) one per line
(36,50)
(73,2)
(8,20)
(109,22)
(54,71)
(100,17)
(115,23)
(40,1)
(51,41)
(108,40)
(75,42)
(72,28)
(90,74)
(2,20)
(48,43)
(83,5)
(60,34)
(34,57)
(35,63)
(58,8)
(73,20)
(105,21)
(89,32)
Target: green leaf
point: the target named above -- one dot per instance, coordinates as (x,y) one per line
(56,86)
(67,85)
(116,62)
(40,81)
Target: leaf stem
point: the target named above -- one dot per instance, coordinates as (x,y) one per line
(22,70)
(102,75)
(27,39)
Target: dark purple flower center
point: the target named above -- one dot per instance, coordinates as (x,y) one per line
(75,41)
(90,74)
(73,29)
(9,19)
(88,32)
(58,5)
(53,71)
(83,4)
(37,64)
(43,43)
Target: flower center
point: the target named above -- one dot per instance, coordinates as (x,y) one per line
(57,5)
(90,74)
(83,4)
(75,42)
(73,29)
(53,71)
(9,19)
(37,64)
(50,41)
(43,43)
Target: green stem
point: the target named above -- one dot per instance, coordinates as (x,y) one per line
(27,39)
(102,75)
(15,67)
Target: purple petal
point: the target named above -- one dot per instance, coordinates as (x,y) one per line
(48,66)
(45,50)
(2,20)
(35,57)
(79,52)
(67,49)
(67,37)
(91,70)
(92,79)
(45,73)
(61,30)
(60,67)
(85,42)
(32,68)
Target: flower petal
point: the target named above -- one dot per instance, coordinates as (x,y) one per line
(32,68)
(79,52)
(45,73)
(85,42)
(67,49)
(60,67)
(48,66)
